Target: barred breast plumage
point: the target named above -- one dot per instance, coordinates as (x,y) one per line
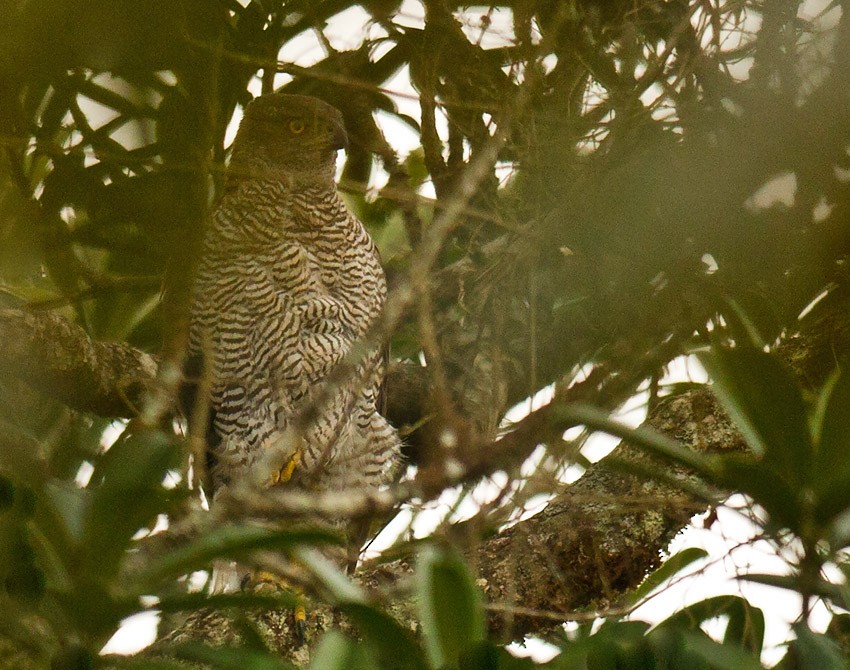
(289,280)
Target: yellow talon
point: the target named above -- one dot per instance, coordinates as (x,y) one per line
(285,473)
(300,624)
(261,580)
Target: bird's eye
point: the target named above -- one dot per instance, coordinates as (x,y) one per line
(296,126)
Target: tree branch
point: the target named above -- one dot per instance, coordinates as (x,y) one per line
(59,359)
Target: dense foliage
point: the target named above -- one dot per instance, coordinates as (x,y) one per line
(596,190)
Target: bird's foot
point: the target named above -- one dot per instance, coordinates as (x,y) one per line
(284,474)
(300,625)
(260,581)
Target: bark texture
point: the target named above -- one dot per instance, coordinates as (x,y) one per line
(59,359)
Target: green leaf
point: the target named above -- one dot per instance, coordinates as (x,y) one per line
(839,530)
(605,648)
(229,658)
(839,628)
(449,604)
(792,583)
(646,438)
(741,321)
(651,470)
(68,508)
(279,600)
(831,465)
(749,620)
(766,404)
(337,652)
(247,631)
(21,578)
(134,663)
(813,650)
(56,533)
(621,645)
(334,652)
(339,587)
(488,656)
(818,410)
(745,627)
(668,569)
(745,473)
(229,541)
(720,656)
(128,495)
(416,169)
(670,650)
(55,562)
(7,493)
(394,645)
(508,661)
(573,657)
(72,657)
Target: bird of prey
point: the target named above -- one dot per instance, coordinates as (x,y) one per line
(287,286)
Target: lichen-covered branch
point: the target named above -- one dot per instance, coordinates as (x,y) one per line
(604,533)
(58,358)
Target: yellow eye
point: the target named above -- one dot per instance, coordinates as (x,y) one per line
(296,126)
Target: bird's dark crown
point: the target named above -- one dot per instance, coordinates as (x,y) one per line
(302,118)
(291,136)
(279,106)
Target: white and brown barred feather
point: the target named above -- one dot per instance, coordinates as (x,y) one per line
(288,281)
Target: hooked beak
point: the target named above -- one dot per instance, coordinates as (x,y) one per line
(339,138)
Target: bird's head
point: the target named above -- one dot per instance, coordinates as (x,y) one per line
(294,135)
